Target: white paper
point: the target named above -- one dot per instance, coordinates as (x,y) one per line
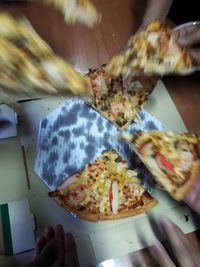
(8,122)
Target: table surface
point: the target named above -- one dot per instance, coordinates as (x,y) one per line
(89,48)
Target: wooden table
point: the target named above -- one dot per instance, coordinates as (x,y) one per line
(89,48)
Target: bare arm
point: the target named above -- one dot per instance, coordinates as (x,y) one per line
(156,9)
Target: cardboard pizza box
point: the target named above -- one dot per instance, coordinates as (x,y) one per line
(17,226)
(100,241)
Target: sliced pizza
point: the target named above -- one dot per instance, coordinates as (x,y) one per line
(170,156)
(104,190)
(153,51)
(82,11)
(30,67)
(116,98)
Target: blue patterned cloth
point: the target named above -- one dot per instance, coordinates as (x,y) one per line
(75,134)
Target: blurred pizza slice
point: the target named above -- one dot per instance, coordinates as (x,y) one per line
(82,11)
(30,67)
(171,157)
(117,99)
(153,51)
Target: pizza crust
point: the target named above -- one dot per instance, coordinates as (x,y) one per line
(181,192)
(148,203)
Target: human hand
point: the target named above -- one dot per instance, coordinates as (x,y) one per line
(190,37)
(185,253)
(192,198)
(55,249)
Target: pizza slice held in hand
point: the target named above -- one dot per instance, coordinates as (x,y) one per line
(30,67)
(104,190)
(171,157)
(153,51)
(117,99)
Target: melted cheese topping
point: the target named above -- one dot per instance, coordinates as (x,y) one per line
(115,200)
(28,64)
(116,98)
(152,38)
(104,186)
(153,51)
(172,153)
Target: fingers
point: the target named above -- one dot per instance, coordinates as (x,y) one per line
(140,259)
(56,248)
(177,229)
(59,232)
(180,246)
(186,255)
(160,255)
(185,31)
(189,37)
(192,199)
(52,254)
(195,54)
(71,256)
(49,233)
(59,236)
(40,243)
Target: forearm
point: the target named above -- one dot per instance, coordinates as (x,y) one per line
(156,9)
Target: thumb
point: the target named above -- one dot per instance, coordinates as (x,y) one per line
(191,38)
(50,253)
(195,54)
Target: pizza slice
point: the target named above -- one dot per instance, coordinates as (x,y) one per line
(104,190)
(82,11)
(171,157)
(74,11)
(153,51)
(30,67)
(118,99)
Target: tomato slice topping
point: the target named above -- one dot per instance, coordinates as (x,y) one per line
(165,162)
(141,147)
(80,187)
